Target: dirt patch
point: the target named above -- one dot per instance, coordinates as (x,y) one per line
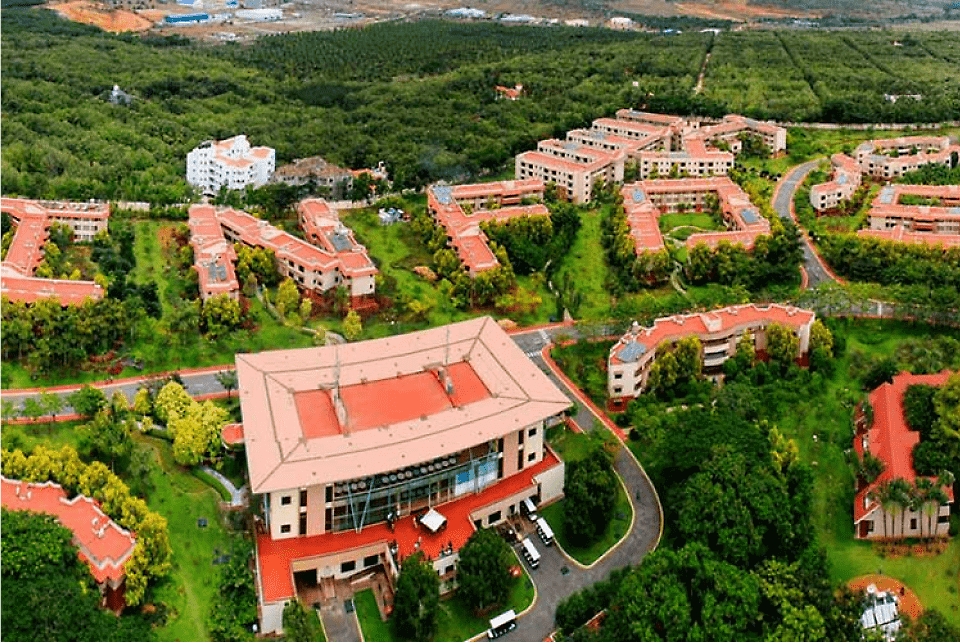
(738,10)
(909,603)
(92,13)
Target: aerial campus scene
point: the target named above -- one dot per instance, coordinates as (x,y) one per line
(369,320)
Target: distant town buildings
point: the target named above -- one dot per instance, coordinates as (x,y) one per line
(645,201)
(889,439)
(231,163)
(461,209)
(465,13)
(33,219)
(630,359)
(930,224)
(350,486)
(103,545)
(841,187)
(893,157)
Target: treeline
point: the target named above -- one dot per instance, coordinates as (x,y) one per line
(889,262)
(407,94)
(754,559)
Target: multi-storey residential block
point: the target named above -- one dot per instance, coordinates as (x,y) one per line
(33,219)
(352,485)
(931,224)
(460,209)
(103,545)
(733,125)
(645,201)
(337,179)
(630,359)
(890,158)
(888,438)
(573,167)
(231,163)
(842,185)
(213,257)
(338,261)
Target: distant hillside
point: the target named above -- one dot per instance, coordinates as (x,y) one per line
(874,9)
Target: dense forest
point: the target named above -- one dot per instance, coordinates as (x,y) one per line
(410,94)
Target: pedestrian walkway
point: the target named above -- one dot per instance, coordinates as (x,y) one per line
(238,497)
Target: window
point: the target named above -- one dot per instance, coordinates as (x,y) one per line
(617,376)
(943,519)
(494,517)
(869,526)
(348,566)
(329,493)
(532,432)
(303,525)
(519,460)
(913,523)
(303,497)
(448,569)
(617,389)
(531,457)
(520,438)
(285,500)
(370,561)
(284,529)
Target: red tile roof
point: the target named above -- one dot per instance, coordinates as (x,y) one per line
(276,556)
(232,434)
(716,321)
(32,289)
(901,235)
(467,239)
(890,439)
(103,545)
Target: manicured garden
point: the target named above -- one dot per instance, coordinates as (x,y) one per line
(455,622)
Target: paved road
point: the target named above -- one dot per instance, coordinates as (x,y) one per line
(553,585)
(816,271)
(238,497)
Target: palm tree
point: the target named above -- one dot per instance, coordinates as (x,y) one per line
(900,498)
(901,490)
(921,496)
(883,495)
(934,500)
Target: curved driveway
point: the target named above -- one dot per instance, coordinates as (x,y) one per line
(553,585)
(817,272)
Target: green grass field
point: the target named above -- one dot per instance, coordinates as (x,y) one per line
(26,437)
(572,447)
(371,625)
(587,266)
(695,219)
(190,588)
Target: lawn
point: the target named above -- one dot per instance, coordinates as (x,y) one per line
(456,621)
(700,220)
(27,436)
(588,267)
(189,589)
(373,627)
(575,446)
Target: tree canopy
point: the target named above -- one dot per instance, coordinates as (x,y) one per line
(416,603)
(483,572)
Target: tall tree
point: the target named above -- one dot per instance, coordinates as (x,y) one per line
(416,603)
(483,572)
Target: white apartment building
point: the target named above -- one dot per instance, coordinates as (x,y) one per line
(231,163)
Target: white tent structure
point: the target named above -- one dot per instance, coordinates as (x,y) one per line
(433,520)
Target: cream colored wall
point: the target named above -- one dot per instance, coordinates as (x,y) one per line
(551,483)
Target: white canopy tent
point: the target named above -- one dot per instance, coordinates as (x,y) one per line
(433,520)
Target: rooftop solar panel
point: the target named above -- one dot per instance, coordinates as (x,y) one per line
(638,195)
(749,215)
(632,352)
(443,193)
(340,241)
